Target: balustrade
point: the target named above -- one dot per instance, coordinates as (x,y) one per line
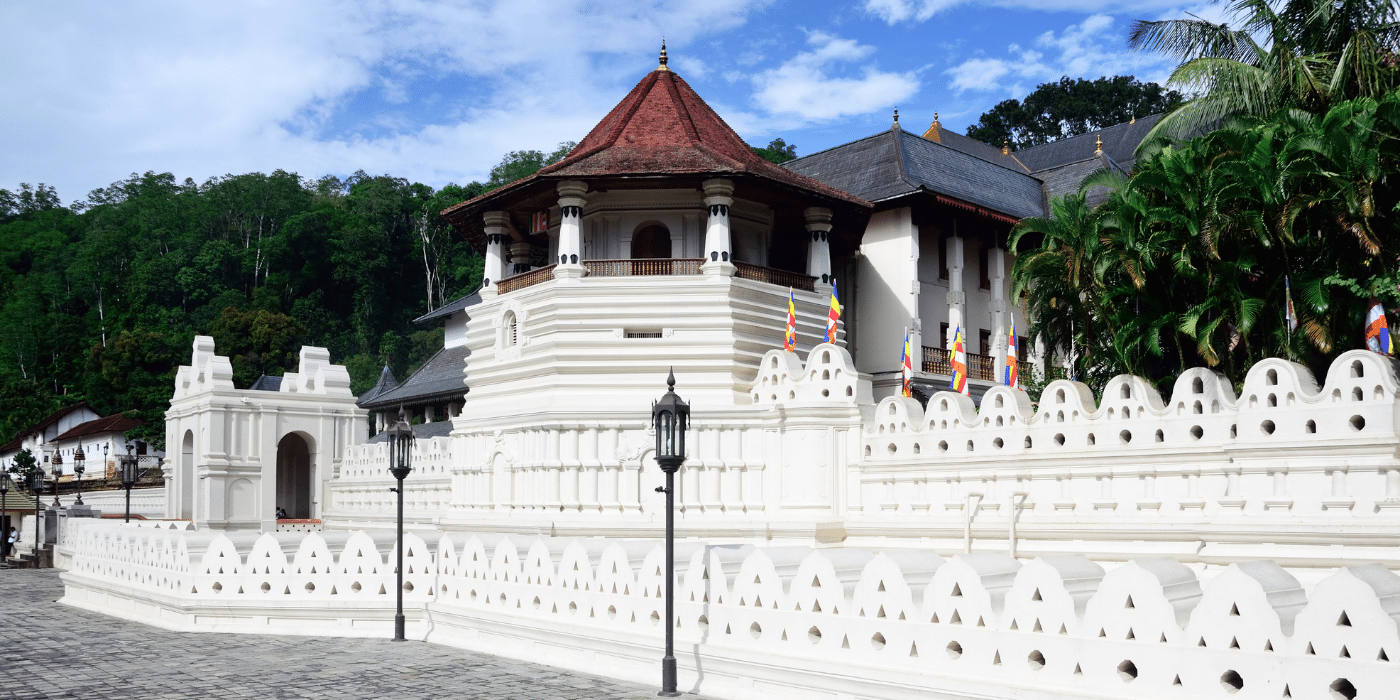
(938,361)
(525,279)
(643,267)
(782,278)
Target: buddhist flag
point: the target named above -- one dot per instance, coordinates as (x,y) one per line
(1013,375)
(790,333)
(906,366)
(1377,332)
(958,359)
(1289,315)
(832,316)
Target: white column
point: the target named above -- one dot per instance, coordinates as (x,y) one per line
(570,256)
(957,298)
(718,198)
(818,251)
(996,260)
(496,223)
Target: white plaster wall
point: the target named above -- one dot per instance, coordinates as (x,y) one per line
(888,299)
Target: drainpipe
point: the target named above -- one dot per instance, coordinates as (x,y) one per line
(967,520)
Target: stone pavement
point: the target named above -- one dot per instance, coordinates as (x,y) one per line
(54,651)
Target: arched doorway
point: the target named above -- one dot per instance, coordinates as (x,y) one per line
(187,476)
(294,476)
(651,241)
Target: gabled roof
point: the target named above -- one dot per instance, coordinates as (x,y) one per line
(111,424)
(442,377)
(897,163)
(1120,143)
(972,147)
(662,128)
(385,383)
(451,307)
(52,418)
(1064,179)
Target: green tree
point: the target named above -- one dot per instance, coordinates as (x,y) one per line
(257,342)
(777,151)
(1071,107)
(518,165)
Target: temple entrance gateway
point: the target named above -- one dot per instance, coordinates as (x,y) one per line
(294,476)
(187,476)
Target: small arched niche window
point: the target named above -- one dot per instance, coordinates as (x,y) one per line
(651,240)
(510,330)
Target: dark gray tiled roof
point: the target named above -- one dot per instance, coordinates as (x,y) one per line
(451,307)
(1120,143)
(973,147)
(1066,178)
(386,382)
(422,431)
(266,383)
(897,163)
(442,377)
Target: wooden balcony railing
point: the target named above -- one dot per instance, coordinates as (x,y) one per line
(643,266)
(981,367)
(782,278)
(525,279)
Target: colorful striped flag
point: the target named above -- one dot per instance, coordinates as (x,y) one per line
(1377,332)
(1013,374)
(790,332)
(832,316)
(906,366)
(1290,316)
(958,359)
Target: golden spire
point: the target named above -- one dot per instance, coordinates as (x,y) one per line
(935,129)
(896,115)
(663,55)
(1098,145)
(1006,147)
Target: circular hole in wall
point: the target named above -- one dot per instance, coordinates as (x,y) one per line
(1036,660)
(1267,427)
(266,588)
(573,608)
(1357,422)
(826,393)
(612,612)
(1196,432)
(311,587)
(1127,671)
(407,586)
(655,618)
(755,631)
(814,635)
(954,650)
(1059,438)
(891,448)
(943,445)
(1342,689)
(1231,682)
(536,602)
(1125,436)
(703,623)
(878,641)
(997,443)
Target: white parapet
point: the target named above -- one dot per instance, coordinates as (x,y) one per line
(776,622)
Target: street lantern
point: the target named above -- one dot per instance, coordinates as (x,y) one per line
(79,463)
(401,439)
(36,482)
(57,463)
(129,477)
(670,417)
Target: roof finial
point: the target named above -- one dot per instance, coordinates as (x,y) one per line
(896,115)
(663,55)
(1006,147)
(933,130)
(1098,145)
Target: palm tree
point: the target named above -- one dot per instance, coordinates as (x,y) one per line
(1300,53)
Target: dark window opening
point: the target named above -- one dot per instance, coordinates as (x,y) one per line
(984,342)
(652,242)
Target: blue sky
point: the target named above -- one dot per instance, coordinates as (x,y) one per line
(437,92)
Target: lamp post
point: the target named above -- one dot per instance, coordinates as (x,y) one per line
(79,463)
(401,441)
(4,512)
(57,463)
(129,477)
(36,482)
(670,416)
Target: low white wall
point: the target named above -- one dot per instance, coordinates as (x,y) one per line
(781,621)
(149,503)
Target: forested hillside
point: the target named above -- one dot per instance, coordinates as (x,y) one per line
(102,298)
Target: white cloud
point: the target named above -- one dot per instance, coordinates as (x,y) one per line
(99,90)
(896,11)
(812,86)
(1091,49)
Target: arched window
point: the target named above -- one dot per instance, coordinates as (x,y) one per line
(510,330)
(651,241)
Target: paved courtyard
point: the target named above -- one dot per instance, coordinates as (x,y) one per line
(53,651)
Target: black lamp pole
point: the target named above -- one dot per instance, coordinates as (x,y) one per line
(36,482)
(128,478)
(670,416)
(79,464)
(5,511)
(401,441)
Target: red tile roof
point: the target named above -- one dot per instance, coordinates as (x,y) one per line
(661,128)
(111,424)
(41,425)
